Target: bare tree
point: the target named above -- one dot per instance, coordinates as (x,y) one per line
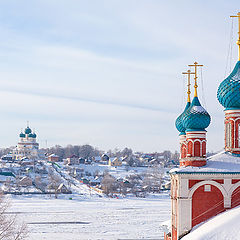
(10,229)
(108,184)
(54,182)
(153,178)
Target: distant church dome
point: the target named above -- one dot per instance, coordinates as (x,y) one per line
(179,123)
(196,117)
(22,135)
(28,130)
(30,135)
(228,91)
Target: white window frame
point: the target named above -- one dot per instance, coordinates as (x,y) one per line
(207,188)
(228,134)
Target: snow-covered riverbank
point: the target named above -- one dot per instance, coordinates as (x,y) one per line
(94,218)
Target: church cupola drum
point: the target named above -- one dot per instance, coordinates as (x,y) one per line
(229,97)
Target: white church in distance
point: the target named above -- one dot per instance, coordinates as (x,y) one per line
(27,146)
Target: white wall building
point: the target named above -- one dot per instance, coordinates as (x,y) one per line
(27,146)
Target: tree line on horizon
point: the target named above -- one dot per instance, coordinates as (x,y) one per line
(87,151)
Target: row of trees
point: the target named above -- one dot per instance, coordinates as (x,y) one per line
(139,183)
(83,151)
(87,151)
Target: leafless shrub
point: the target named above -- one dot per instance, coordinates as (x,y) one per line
(10,228)
(108,184)
(54,182)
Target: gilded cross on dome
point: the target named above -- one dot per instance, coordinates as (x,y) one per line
(195,65)
(238,41)
(189,77)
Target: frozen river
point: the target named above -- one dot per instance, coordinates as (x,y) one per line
(97,218)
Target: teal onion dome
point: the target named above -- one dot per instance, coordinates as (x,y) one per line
(28,130)
(196,117)
(228,93)
(178,122)
(21,135)
(34,135)
(30,135)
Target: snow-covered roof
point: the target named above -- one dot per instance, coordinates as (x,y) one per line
(223,162)
(7,155)
(223,226)
(53,155)
(98,158)
(3,178)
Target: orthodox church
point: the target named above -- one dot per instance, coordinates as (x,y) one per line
(27,146)
(204,187)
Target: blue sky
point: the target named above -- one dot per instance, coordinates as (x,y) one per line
(108,73)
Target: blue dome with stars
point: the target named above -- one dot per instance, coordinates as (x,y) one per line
(229,90)
(179,123)
(196,118)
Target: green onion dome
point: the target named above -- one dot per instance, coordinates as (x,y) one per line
(178,122)
(22,135)
(30,135)
(28,130)
(34,135)
(228,91)
(196,117)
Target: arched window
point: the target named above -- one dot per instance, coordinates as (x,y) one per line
(197,149)
(190,148)
(183,151)
(228,135)
(204,148)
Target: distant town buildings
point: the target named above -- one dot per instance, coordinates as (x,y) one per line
(73,160)
(53,158)
(115,162)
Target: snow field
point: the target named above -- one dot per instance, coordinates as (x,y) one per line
(93,218)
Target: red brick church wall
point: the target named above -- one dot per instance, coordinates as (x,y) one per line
(206,204)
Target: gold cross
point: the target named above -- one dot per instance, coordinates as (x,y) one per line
(195,78)
(238,41)
(189,76)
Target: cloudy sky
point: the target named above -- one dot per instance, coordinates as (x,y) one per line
(108,72)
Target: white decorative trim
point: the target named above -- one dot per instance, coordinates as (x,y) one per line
(197,136)
(210,182)
(234,142)
(236,119)
(182,138)
(207,188)
(236,185)
(232,111)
